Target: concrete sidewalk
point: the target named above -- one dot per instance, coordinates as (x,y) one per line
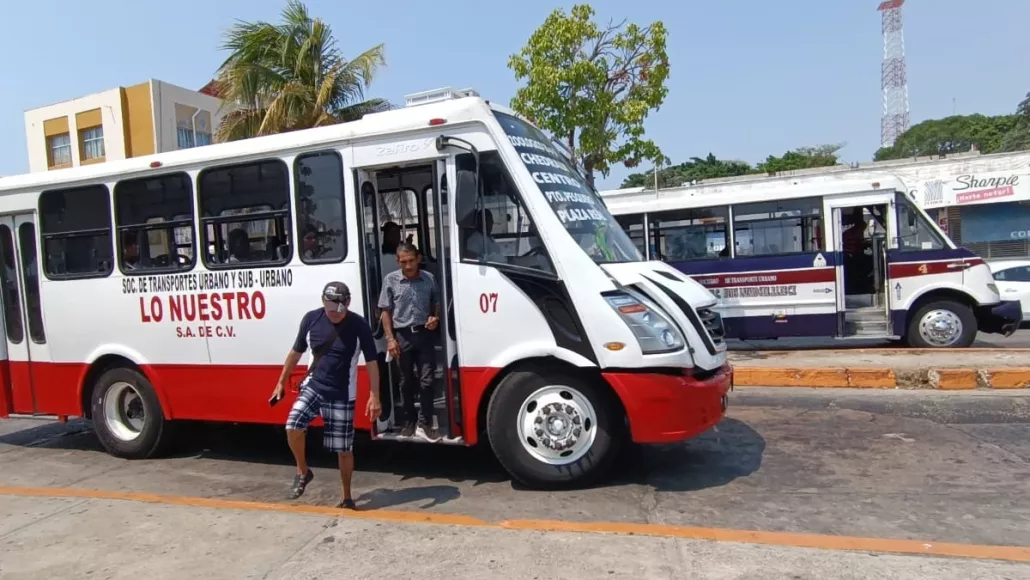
(970,368)
(71,538)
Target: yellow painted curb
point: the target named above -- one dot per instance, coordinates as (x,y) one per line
(1009,378)
(955,379)
(863,378)
(947,379)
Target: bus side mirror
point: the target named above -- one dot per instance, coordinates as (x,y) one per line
(466,199)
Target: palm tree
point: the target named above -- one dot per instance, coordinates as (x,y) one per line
(289,76)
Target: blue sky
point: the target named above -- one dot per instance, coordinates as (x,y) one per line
(748,77)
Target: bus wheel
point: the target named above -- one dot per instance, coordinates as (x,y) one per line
(553,430)
(127,415)
(942,324)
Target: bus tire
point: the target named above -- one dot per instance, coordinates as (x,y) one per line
(941,324)
(582,443)
(127,415)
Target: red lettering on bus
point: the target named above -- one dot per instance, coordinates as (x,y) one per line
(244,304)
(202,307)
(258,301)
(156,309)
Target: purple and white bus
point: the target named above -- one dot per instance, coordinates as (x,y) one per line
(843,258)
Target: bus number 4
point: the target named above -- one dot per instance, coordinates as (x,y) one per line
(488,302)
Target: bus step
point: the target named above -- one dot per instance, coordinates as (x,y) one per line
(869,327)
(396,436)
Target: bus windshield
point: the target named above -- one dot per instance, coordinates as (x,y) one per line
(576,204)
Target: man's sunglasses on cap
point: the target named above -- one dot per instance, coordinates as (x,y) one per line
(335,297)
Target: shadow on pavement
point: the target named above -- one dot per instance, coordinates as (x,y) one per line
(732,449)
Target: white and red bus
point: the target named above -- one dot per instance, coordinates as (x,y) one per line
(833,257)
(142,292)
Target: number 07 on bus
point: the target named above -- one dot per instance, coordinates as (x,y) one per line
(143,292)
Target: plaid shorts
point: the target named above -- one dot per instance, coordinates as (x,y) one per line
(338,416)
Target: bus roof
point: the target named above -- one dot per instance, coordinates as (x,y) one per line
(410,118)
(639,200)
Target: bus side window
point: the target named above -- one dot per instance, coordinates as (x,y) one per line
(75,227)
(634,226)
(914,231)
(772,228)
(511,237)
(154,216)
(320,207)
(245,214)
(691,234)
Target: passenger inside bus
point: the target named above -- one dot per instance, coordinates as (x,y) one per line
(478,245)
(130,250)
(388,249)
(239,246)
(858,266)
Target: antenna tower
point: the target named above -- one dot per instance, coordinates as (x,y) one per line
(894,74)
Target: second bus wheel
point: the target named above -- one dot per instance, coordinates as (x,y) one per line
(552,430)
(127,415)
(941,324)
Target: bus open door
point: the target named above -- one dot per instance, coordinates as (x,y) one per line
(25,340)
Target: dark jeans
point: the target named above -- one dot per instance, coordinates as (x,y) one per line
(418,371)
(385,389)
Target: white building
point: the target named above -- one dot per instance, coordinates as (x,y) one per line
(981,201)
(151,117)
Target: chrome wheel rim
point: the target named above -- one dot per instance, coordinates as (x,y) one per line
(124,412)
(557,425)
(940,327)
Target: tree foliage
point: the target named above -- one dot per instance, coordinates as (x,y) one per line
(803,158)
(591,87)
(291,75)
(712,168)
(1018,138)
(950,135)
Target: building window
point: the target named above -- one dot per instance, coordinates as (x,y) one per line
(75,226)
(92,143)
(188,139)
(60,148)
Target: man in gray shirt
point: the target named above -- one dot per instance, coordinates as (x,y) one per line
(410,301)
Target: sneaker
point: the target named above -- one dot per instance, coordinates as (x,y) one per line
(427,434)
(408,430)
(300,483)
(346,504)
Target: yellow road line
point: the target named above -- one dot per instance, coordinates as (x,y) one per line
(783,539)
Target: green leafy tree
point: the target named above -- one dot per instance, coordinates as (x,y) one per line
(950,135)
(592,87)
(696,168)
(291,75)
(803,158)
(1018,138)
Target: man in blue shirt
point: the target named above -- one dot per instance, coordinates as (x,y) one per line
(337,338)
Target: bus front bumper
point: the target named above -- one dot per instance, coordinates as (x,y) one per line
(1002,318)
(667,408)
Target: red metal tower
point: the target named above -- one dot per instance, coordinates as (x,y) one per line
(894,74)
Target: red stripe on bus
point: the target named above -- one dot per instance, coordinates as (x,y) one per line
(912,269)
(807,276)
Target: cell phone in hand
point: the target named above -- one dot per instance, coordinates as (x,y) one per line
(274,400)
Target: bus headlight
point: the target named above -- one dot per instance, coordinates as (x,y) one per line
(653,330)
(992,287)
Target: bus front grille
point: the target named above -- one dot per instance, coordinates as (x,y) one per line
(712,323)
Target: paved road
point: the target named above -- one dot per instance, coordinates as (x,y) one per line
(895,465)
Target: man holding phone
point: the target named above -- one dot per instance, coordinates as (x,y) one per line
(337,336)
